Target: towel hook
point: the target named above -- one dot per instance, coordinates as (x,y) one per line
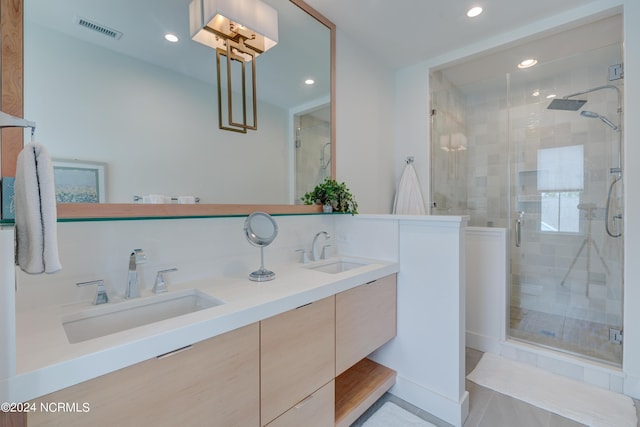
(409,160)
(9,121)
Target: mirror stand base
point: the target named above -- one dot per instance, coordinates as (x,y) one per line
(262,275)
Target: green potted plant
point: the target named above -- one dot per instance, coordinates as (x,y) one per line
(331,193)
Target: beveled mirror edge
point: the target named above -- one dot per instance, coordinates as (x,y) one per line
(12,90)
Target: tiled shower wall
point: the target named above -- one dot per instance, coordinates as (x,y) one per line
(449,160)
(312,134)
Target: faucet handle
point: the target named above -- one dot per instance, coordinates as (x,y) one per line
(304,257)
(160,285)
(101,293)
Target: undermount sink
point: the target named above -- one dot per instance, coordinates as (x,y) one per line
(111,318)
(337,266)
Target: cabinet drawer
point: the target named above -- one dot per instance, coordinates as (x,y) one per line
(317,410)
(213,383)
(297,356)
(365,320)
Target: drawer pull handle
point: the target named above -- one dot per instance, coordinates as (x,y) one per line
(173,352)
(373,281)
(304,305)
(303,402)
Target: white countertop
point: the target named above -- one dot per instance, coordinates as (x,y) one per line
(46,362)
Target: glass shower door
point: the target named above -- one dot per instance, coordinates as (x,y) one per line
(566,270)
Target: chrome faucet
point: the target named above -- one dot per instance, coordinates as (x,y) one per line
(136,257)
(161,285)
(314,251)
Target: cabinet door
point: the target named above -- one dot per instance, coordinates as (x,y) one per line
(317,410)
(365,320)
(213,383)
(297,356)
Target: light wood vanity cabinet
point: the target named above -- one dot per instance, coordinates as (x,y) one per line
(365,320)
(305,367)
(297,359)
(213,383)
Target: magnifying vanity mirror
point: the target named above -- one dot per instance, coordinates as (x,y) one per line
(147,108)
(261,229)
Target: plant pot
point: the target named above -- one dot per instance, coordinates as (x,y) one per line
(327,208)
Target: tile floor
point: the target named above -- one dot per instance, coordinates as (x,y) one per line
(487,408)
(565,333)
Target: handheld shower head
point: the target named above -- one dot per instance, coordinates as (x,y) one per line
(592,115)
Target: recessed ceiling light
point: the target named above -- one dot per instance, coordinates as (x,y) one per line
(474,11)
(536,93)
(527,63)
(171,38)
(551,95)
(309,81)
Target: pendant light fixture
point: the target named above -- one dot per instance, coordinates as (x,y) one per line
(239,31)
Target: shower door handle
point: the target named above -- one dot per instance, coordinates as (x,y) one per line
(519,222)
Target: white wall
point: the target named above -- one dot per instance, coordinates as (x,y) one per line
(199,248)
(365,123)
(411,130)
(631,351)
(7,310)
(486,266)
(428,352)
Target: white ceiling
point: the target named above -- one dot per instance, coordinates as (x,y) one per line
(418,30)
(404,32)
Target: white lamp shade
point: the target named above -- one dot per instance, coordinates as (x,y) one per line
(445,142)
(255,15)
(459,141)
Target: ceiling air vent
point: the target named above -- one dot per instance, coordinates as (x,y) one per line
(106,31)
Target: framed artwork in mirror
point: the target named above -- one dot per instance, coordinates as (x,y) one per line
(79,181)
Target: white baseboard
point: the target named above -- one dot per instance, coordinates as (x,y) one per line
(454,413)
(482,342)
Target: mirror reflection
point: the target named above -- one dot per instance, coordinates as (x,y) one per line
(146,108)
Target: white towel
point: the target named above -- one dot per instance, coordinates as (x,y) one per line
(36,216)
(409,197)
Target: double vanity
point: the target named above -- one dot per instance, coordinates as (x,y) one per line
(227,351)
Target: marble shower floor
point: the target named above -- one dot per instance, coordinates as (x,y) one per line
(584,337)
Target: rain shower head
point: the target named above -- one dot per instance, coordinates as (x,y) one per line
(566,104)
(592,115)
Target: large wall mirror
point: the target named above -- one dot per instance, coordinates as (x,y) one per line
(144,110)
